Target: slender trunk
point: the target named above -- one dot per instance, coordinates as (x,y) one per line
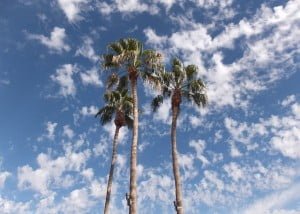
(178,203)
(133,158)
(111,171)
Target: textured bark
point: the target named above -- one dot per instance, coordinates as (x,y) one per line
(178,203)
(111,171)
(133,158)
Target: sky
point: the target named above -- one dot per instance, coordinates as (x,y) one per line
(240,154)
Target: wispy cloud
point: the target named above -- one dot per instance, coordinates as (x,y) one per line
(55,42)
(64,78)
(86,50)
(73,8)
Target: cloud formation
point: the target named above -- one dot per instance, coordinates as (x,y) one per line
(56,42)
(64,78)
(72,9)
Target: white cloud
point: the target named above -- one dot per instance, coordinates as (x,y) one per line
(234,151)
(46,204)
(3,177)
(56,41)
(50,129)
(142,146)
(153,38)
(288,142)
(218,136)
(283,133)
(86,50)
(195,121)
(51,172)
(101,148)
(296,110)
(110,129)
(89,110)
(212,177)
(68,132)
(91,77)
(275,202)
(104,8)
(77,202)
(186,162)
(127,7)
(88,173)
(63,77)
(216,157)
(98,189)
(234,171)
(240,182)
(167,3)
(266,59)
(72,8)
(9,206)
(156,187)
(213,3)
(163,112)
(199,146)
(243,133)
(122,161)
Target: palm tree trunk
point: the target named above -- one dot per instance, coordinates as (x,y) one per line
(111,171)
(133,160)
(178,203)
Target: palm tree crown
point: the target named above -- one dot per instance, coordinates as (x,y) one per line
(181,82)
(118,106)
(128,55)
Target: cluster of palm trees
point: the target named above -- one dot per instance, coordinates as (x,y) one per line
(127,63)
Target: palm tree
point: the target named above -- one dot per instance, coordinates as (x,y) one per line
(127,60)
(118,106)
(181,82)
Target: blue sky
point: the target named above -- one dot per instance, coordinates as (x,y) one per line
(238,155)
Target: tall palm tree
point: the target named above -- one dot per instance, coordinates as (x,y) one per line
(127,60)
(181,82)
(118,107)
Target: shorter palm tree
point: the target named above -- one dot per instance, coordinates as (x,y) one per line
(181,82)
(127,60)
(118,106)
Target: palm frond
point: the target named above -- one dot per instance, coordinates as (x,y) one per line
(152,78)
(156,102)
(177,71)
(129,121)
(183,80)
(116,101)
(107,97)
(191,72)
(116,48)
(200,99)
(176,62)
(166,91)
(112,80)
(196,85)
(106,113)
(133,45)
(108,61)
(124,43)
(167,78)
(123,83)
